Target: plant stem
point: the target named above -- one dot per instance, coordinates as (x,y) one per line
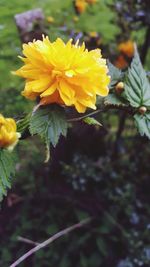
(50,240)
(105,108)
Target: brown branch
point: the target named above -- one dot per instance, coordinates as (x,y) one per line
(50,240)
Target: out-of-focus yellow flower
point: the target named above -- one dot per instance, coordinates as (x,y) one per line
(91,1)
(50,19)
(121,62)
(62,73)
(93,34)
(127,48)
(75,19)
(8,135)
(80,6)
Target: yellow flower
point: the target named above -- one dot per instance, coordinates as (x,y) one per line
(75,19)
(50,19)
(80,5)
(93,34)
(8,135)
(127,48)
(61,73)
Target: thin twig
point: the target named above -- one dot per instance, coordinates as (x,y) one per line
(85,116)
(28,241)
(50,240)
(127,109)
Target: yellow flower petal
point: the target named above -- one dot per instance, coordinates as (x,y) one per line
(50,90)
(80,108)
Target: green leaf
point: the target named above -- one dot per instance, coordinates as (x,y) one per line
(137,86)
(23,124)
(115,74)
(51,229)
(83,261)
(143,123)
(114,100)
(64,261)
(7,169)
(49,123)
(102,246)
(104,229)
(81,215)
(91,121)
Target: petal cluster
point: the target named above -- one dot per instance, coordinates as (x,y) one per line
(8,133)
(67,74)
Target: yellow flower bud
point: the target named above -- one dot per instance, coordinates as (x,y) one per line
(142,110)
(119,87)
(8,135)
(75,19)
(93,34)
(50,19)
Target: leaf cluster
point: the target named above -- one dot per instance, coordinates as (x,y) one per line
(135,94)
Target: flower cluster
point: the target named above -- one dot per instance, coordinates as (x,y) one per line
(81,5)
(66,74)
(8,133)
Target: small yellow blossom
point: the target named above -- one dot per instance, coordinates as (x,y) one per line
(50,19)
(127,48)
(61,73)
(80,6)
(93,34)
(75,19)
(8,135)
